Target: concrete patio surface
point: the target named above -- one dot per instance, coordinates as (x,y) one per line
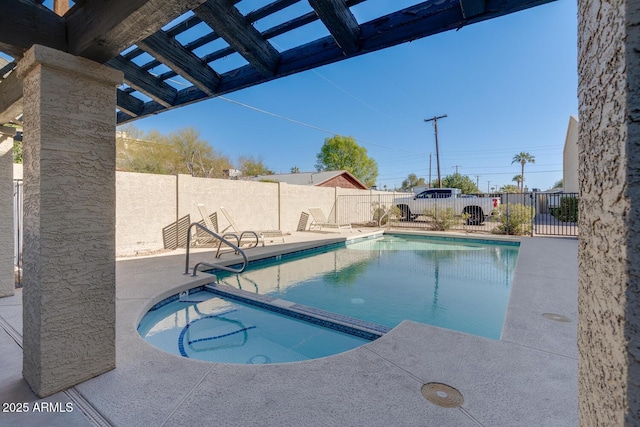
(527,378)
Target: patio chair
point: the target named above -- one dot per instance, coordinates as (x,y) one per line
(320,221)
(250,238)
(264,234)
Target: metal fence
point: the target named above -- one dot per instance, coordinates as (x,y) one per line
(516,214)
(556,214)
(17,226)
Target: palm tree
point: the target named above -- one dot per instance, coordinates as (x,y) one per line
(518,179)
(523,158)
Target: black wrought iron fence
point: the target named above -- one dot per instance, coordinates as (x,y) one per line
(17,227)
(499,213)
(557,214)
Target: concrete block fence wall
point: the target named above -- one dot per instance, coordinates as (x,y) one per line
(146,203)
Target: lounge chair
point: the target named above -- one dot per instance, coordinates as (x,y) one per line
(320,221)
(240,238)
(201,237)
(264,234)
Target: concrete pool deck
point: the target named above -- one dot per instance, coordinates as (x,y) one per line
(528,377)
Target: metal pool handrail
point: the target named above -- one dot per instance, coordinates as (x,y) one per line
(222,240)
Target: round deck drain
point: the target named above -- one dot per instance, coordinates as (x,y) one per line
(442,395)
(556,317)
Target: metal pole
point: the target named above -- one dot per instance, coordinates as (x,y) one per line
(430,170)
(435,126)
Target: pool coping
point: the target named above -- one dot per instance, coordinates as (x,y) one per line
(531,371)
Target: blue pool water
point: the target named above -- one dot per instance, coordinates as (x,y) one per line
(456,284)
(205,327)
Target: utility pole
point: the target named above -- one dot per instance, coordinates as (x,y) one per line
(488,184)
(457,166)
(434,119)
(478,182)
(429,170)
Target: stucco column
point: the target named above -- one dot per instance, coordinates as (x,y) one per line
(609,249)
(7,283)
(69,219)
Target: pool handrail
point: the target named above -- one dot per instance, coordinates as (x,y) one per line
(221,239)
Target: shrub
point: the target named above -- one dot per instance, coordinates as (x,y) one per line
(443,219)
(514,219)
(382,214)
(568,210)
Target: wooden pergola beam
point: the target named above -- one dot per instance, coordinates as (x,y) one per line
(229,24)
(24,23)
(129,103)
(10,98)
(183,62)
(144,82)
(100,30)
(336,16)
(472,8)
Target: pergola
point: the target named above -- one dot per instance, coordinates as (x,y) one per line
(170,51)
(65,86)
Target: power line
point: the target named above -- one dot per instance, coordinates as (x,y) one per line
(250,107)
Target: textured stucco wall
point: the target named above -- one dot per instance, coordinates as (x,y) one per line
(296,199)
(7,285)
(252,205)
(69,219)
(145,204)
(570,158)
(609,264)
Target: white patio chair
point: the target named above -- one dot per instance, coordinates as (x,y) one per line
(264,234)
(320,221)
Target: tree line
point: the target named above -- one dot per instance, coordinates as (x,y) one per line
(466,184)
(184,152)
(179,152)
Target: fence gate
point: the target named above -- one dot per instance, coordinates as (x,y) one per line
(555,214)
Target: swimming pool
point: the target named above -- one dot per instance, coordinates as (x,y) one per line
(201,325)
(459,284)
(330,299)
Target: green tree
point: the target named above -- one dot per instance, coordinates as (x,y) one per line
(411,182)
(456,180)
(137,152)
(509,188)
(295,169)
(251,166)
(523,158)
(17,145)
(197,156)
(558,184)
(181,152)
(343,153)
(518,179)
(17,151)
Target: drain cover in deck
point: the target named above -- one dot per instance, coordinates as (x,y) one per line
(442,395)
(556,317)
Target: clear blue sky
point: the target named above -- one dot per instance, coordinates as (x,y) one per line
(507,85)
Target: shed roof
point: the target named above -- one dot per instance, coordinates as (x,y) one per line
(309,178)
